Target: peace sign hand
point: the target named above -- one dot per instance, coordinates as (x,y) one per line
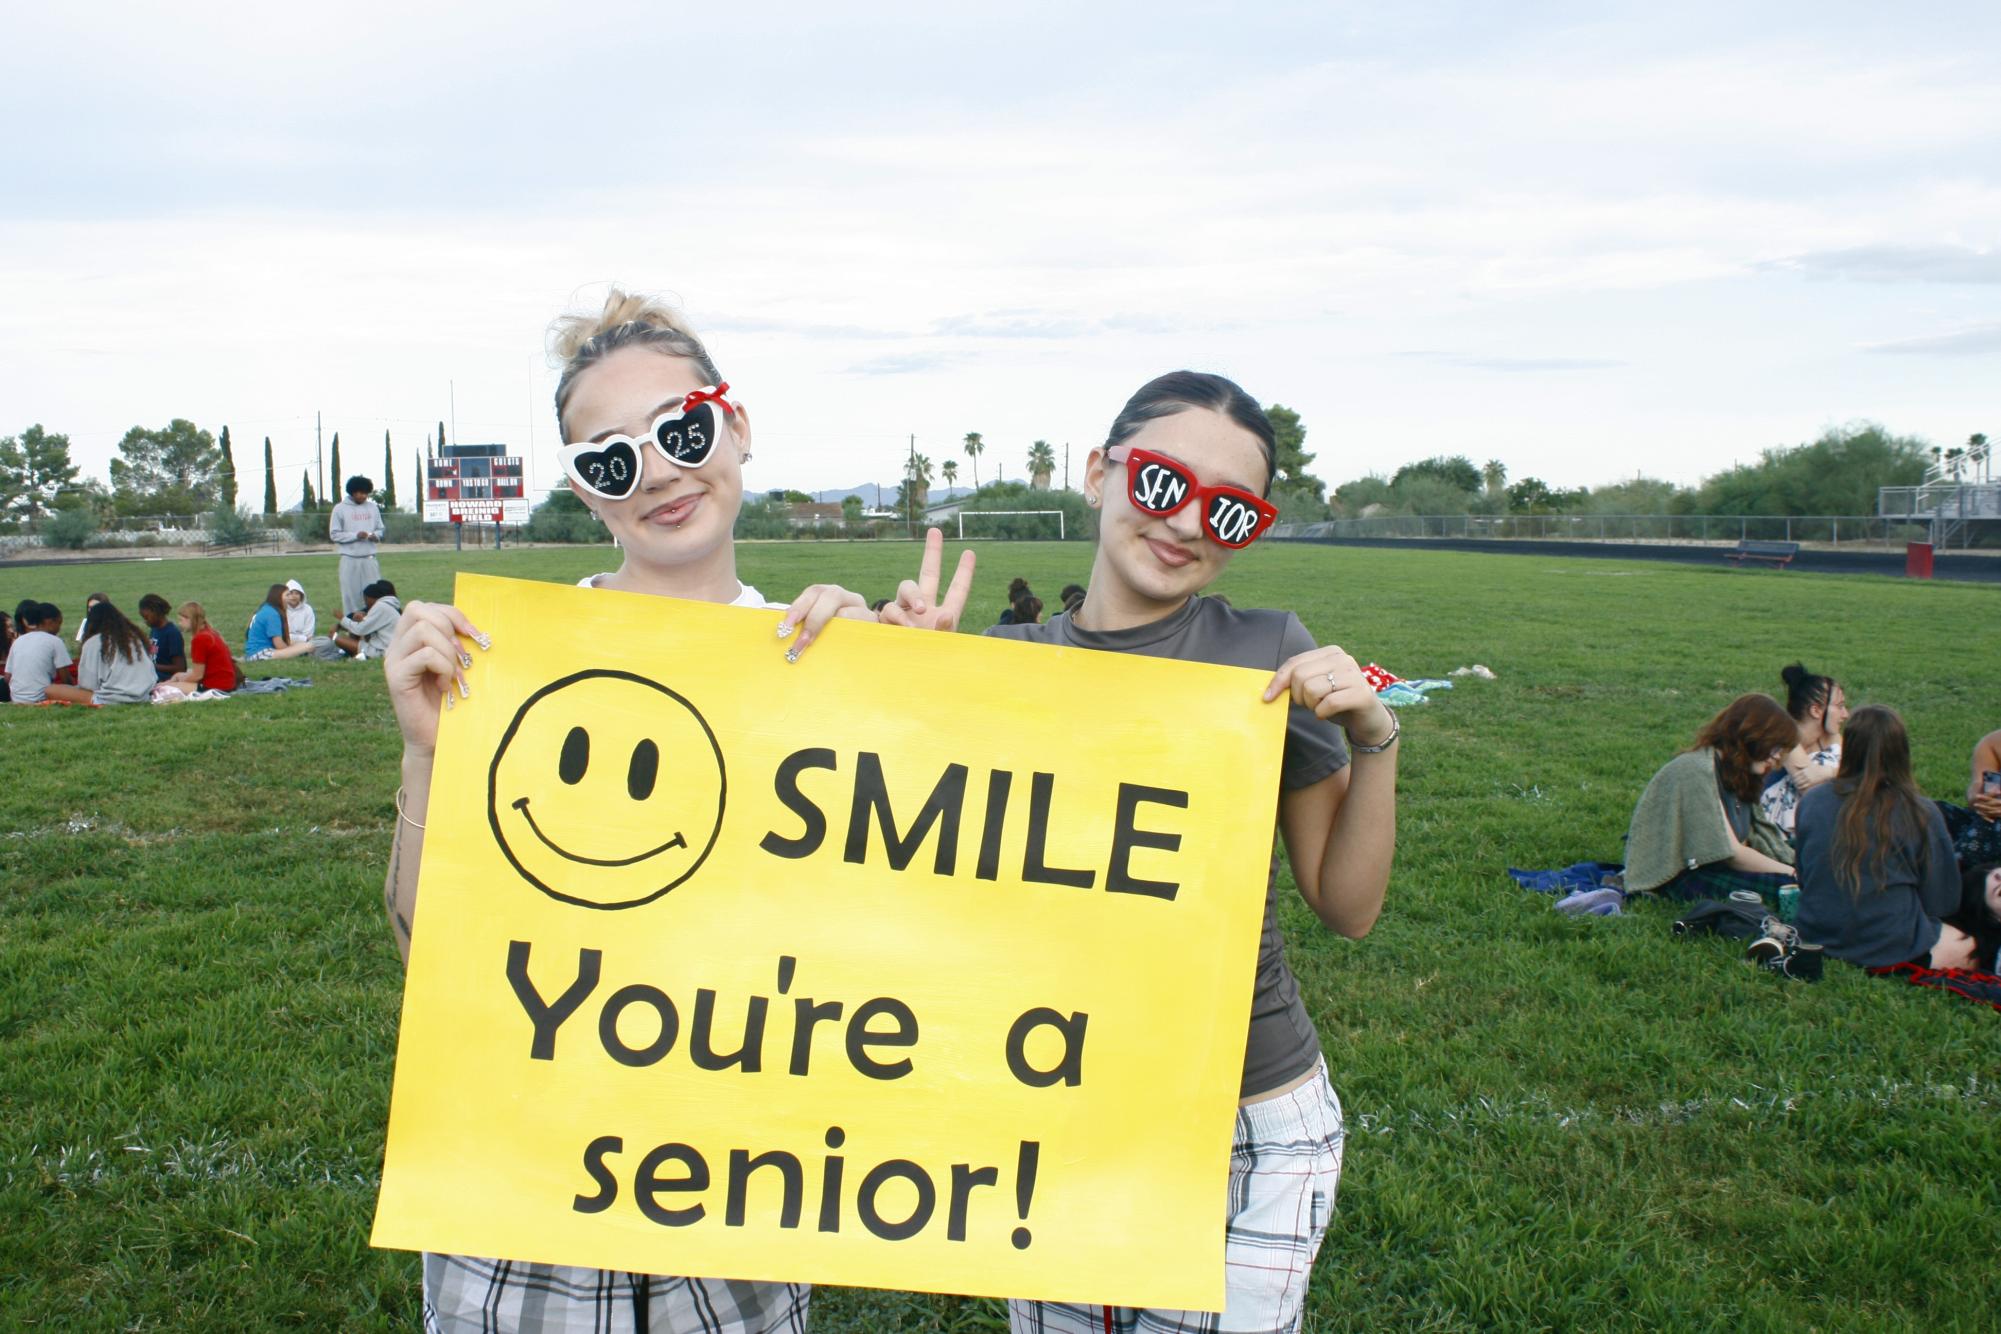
(917,605)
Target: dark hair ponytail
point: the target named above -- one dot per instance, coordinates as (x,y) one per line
(1804,690)
(1179,390)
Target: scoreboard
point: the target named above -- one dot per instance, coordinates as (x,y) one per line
(474,484)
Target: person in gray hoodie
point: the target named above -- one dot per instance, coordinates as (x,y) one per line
(367,635)
(355,527)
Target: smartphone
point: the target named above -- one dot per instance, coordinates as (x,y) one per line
(1990,783)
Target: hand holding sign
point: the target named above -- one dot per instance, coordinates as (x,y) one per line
(726,973)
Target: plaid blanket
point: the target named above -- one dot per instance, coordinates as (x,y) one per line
(1981,988)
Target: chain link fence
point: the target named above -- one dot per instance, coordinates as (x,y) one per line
(1842,530)
(75,530)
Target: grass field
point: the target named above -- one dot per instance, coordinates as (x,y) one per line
(1553,1123)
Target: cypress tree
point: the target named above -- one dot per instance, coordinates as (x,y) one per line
(306,501)
(336,484)
(441,435)
(388,475)
(227,474)
(270,481)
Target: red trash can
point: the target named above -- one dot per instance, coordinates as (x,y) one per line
(1917,560)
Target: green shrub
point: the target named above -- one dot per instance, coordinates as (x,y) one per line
(232,527)
(764,518)
(70,529)
(1079,520)
(403,526)
(563,518)
(309,527)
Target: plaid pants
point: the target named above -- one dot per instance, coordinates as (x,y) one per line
(466,1295)
(1285,1165)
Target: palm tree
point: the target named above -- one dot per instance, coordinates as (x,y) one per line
(975,448)
(918,471)
(1495,474)
(1041,462)
(1976,450)
(951,470)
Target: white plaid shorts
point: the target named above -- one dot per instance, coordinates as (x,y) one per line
(1285,1164)
(466,1295)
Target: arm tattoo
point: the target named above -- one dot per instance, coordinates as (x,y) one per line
(389,888)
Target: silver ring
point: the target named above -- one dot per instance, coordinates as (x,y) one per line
(1330,683)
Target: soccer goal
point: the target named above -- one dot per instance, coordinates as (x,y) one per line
(1027,530)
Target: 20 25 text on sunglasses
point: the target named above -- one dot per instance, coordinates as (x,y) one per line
(685,434)
(1159,485)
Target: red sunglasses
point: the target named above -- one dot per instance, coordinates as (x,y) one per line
(1158,485)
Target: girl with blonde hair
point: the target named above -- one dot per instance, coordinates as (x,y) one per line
(655,446)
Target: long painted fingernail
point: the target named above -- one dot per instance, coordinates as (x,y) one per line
(785,629)
(465,690)
(465,660)
(484,641)
(792,655)
(448,699)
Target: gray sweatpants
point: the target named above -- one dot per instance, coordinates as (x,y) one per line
(356,573)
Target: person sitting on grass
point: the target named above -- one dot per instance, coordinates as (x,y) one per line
(116,665)
(209,665)
(170,651)
(1820,707)
(38,657)
(1976,831)
(1877,874)
(300,618)
(1697,831)
(268,636)
(368,636)
(6,643)
(1027,610)
(1072,597)
(88,603)
(1979,913)
(1017,589)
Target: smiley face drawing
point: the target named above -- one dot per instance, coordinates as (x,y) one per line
(606,790)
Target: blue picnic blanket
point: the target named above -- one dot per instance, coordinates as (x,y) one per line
(1569,879)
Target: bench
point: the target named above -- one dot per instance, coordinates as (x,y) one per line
(1775,553)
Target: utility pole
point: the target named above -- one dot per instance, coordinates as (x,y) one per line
(452,388)
(1066,465)
(319,461)
(910,491)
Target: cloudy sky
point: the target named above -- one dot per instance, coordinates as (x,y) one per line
(1587,239)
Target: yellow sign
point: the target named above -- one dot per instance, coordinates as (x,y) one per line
(924,963)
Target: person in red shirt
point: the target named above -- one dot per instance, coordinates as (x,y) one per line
(209,665)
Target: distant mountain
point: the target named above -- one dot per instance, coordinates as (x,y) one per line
(869,490)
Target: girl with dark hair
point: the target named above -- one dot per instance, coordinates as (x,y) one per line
(1979,913)
(1017,589)
(1877,874)
(1180,482)
(116,663)
(1820,707)
(270,634)
(1697,831)
(1027,610)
